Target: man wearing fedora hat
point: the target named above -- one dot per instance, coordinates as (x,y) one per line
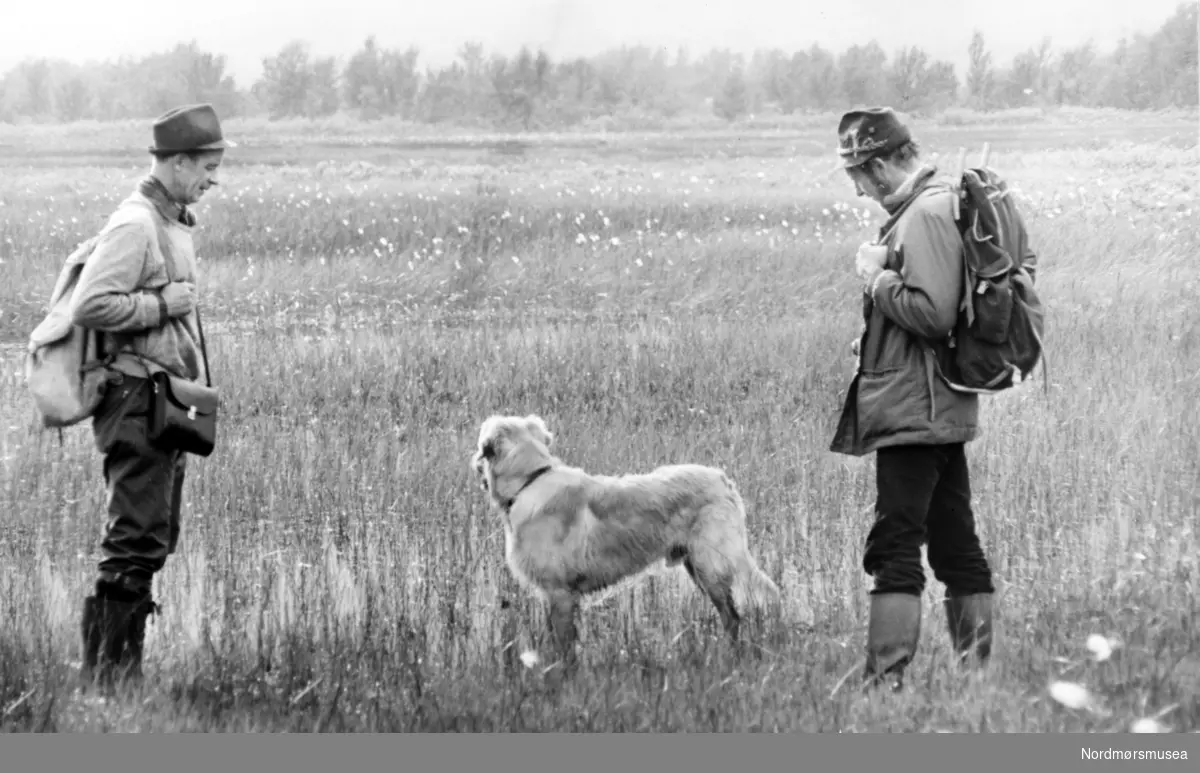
(899,407)
(139,293)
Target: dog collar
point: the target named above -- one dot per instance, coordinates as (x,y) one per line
(536,474)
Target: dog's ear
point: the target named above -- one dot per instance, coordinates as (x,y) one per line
(490,433)
(538,427)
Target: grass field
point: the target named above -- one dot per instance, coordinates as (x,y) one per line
(657,298)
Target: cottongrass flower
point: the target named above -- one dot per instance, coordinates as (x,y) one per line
(1071,694)
(529,658)
(1101,647)
(1148,725)
(1152,724)
(1075,696)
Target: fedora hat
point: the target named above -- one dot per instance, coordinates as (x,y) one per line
(189,128)
(869,132)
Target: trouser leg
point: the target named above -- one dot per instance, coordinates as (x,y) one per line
(906,477)
(144,487)
(958,560)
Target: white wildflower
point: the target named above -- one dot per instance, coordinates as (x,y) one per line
(1071,694)
(1148,725)
(1100,647)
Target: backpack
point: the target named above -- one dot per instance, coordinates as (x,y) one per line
(65,364)
(65,369)
(998,337)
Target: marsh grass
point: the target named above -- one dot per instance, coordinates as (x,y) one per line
(339,571)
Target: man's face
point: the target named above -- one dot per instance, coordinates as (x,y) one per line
(869,181)
(194,176)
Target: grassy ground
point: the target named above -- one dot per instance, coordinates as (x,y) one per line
(656,298)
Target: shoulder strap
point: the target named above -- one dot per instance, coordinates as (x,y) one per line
(982,230)
(164,245)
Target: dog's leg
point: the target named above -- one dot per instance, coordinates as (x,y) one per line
(513,607)
(564,607)
(754,593)
(718,587)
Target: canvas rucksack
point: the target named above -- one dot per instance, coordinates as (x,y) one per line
(998,338)
(65,364)
(65,367)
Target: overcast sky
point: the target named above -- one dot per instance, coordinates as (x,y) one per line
(247,30)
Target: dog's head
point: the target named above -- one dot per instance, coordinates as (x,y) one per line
(510,448)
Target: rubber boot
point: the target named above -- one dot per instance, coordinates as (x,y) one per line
(892,635)
(114,630)
(969,619)
(135,639)
(90,632)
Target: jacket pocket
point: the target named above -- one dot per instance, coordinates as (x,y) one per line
(885,346)
(892,401)
(950,409)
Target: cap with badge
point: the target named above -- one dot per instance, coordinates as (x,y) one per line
(869,132)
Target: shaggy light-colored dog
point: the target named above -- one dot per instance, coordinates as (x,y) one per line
(569,534)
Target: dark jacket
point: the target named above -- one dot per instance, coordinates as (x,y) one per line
(897,395)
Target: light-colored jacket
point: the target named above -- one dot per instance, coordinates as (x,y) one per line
(119,290)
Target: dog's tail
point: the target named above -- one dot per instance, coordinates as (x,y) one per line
(752,588)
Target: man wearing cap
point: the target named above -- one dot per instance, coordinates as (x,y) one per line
(140,294)
(899,407)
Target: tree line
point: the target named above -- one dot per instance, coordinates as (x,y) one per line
(530,90)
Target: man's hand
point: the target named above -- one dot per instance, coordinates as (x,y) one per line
(869,262)
(180,298)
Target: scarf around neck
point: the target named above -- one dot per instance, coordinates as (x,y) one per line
(152,188)
(898,200)
(909,188)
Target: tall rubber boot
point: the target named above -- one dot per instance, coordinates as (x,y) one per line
(90,632)
(113,629)
(130,664)
(103,628)
(969,619)
(892,635)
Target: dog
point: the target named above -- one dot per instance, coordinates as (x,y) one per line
(570,535)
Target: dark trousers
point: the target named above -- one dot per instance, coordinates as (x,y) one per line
(924,496)
(145,487)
